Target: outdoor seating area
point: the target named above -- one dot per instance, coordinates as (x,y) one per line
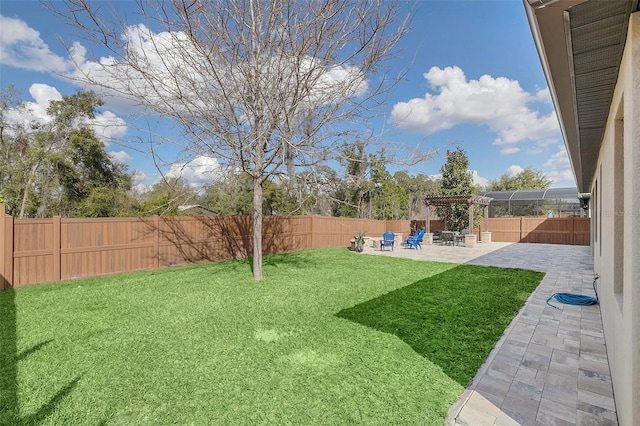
(446,238)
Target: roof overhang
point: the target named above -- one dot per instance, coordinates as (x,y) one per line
(580,44)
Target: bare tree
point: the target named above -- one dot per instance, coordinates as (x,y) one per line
(263,86)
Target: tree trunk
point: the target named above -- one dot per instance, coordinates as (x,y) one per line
(25,196)
(257,228)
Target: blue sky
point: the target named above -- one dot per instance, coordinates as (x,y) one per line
(474,80)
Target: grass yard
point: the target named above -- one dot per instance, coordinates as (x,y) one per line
(328,337)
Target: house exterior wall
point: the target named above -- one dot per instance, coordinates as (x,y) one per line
(615,196)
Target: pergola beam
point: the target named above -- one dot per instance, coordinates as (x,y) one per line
(470,200)
(443,200)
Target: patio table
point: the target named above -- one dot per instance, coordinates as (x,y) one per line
(449,237)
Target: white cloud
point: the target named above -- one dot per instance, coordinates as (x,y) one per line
(543,143)
(510,150)
(475,178)
(543,95)
(346,81)
(140,182)
(479,180)
(197,172)
(35,112)
(514,170)
(138,176)
(534,151)
(182,76)
(23,48)
(106,125)
(499,103)
(119,156)
(559,168)
(43,94)
(182,80)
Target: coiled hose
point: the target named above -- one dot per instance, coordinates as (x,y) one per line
(576,299)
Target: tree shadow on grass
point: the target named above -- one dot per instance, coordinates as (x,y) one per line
(295,259)
(50,407)
(454,318)
(9,358)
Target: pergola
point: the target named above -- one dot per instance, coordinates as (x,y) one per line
(470,200)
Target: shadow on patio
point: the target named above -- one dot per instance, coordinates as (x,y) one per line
(550,366)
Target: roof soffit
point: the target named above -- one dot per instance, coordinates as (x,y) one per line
(580,43)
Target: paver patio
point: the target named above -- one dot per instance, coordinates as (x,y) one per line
(550,367)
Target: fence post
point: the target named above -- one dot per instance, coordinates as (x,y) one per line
(6,249)
(521,228)
(3,247)
(57,259)
(573,231)
(156,241)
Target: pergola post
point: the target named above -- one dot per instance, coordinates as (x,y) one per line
(485,210)
(485,236)
(427,226)
(470,217)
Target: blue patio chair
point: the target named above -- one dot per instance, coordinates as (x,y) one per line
(415,241)
(388,238)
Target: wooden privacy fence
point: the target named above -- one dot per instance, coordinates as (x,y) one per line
(46,250)
(565,230)
(562,230)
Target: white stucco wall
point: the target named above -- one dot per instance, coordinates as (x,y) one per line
(616,238)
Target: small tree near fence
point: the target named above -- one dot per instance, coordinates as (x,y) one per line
(456,180)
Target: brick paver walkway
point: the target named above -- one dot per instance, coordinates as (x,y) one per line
(550,367)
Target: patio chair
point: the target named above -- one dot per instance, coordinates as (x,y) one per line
(460,237)
(448,237)
(388,239)
(415,241)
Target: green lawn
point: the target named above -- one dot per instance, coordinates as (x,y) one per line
(328,337)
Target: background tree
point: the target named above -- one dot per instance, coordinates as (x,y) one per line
(456,180)
(368,189)
(320,185)
(528,178)
(389,198)
(260,85)
(59,167)
(417,188)
(14,140)
(356,191)
(231,194)
(165,197)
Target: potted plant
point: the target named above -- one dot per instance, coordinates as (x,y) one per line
(358,242)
